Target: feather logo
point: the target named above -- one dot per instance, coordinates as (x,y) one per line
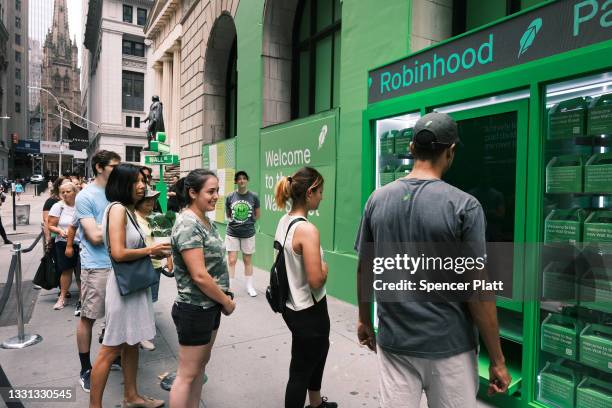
(322,135)
(529,36)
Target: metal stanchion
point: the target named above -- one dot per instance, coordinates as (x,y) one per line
(22,340)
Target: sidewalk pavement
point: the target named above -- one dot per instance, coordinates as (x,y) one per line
(250,360)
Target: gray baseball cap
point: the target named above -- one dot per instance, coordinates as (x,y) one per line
(435,129)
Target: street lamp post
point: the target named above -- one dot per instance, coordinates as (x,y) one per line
(61,112)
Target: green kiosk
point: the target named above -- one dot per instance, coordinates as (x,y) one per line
(532,95)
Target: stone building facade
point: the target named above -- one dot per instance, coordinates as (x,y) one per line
(116,84)
(192,43)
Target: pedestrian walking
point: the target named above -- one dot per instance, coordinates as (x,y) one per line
(242,210)
(143,209)
(427,345)
(60,218)
(306,308)
(19,189)
(95,262)
(202,281)
(2,231)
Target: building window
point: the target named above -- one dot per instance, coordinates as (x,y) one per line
(128,121)
(17,107)
(17,90)
(137,122)
(470,14)
(231,95)
(316,57)
(17,56)
(127,14)
(133,48)
(132,153)
(18,5)
(17,73)
(18,39)
(17,22)
(66,84)
(133,91)
(141,16)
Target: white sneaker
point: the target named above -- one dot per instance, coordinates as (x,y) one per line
(147,345)
(251,291)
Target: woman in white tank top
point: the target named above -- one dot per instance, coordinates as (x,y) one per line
(306,313)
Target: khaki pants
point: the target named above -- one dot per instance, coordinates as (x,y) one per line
(450,382)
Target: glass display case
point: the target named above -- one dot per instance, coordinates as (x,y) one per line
(393,138)
(575,341)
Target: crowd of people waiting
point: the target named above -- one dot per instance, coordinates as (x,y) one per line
(95,230)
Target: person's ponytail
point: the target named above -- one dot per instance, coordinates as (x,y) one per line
(282,192)
(296,187)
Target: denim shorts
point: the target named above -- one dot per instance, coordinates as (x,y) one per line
(194,324)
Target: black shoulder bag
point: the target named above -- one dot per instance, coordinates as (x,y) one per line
(277,292)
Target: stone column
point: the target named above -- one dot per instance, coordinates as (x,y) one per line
(166,94)
(157,79)
(176,98)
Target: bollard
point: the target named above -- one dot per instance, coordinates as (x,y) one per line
(22,340)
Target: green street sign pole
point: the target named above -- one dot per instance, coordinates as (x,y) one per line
(163,158)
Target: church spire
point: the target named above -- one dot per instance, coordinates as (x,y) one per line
(60,35)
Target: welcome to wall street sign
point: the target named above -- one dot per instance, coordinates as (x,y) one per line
(552,29)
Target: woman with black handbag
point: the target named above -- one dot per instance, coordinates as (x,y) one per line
(128,306)
(306,308)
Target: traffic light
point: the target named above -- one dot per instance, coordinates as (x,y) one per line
(15,138)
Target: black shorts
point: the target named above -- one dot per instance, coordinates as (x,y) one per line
(62,261)
(194,324)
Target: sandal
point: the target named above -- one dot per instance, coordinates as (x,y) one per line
(59,305)
(148,402)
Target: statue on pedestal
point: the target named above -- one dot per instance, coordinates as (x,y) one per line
(155,119)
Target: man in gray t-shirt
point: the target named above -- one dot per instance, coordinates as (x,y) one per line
(426,343)
(242,211)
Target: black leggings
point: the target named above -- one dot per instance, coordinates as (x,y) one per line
(309,346)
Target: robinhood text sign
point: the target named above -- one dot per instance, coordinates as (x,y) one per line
(552,29)
(284,150)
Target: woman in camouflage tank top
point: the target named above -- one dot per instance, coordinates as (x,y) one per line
(202,281)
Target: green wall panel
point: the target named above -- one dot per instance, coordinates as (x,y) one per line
(249,33)
(288,147)
(362,49)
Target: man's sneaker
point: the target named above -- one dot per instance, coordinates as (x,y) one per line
(77,309)
(147,345)
(251,291)
(325,404)
(116,366)
(85,380)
